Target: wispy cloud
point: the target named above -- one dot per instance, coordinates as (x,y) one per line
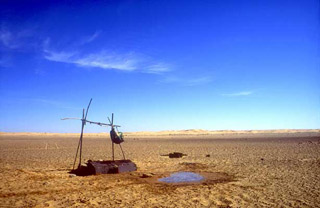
(158,68)
(59,56)
(107,60)
(242,93)
(100,60)
(21,39)
(198,81)
(7,39)
(188,81)
(90,38)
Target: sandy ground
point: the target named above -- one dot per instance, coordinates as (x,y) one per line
(245,169)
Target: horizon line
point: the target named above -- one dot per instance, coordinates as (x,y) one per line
(162,131)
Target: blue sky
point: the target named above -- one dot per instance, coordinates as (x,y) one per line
(160,65)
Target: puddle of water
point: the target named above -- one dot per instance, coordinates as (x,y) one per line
(181,177)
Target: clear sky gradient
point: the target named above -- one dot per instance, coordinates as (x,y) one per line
(160,65)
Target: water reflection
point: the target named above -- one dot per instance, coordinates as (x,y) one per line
(181,177)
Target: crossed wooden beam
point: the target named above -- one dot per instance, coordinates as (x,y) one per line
(113,134)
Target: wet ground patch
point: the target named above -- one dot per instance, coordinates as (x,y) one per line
(182,177)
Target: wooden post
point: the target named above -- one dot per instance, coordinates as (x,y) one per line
(122,152)
(79,148)
(75,159)
(81,135)
(112,151)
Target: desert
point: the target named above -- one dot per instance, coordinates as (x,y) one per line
(159,104)
(270,168)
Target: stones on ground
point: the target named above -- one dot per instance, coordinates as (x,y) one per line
(175,155)
(105,167)
(146,175)
(72,175)
(83,200)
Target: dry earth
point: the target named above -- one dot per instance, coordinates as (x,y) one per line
(245,169)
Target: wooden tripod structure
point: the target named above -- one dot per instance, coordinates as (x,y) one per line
(115,137)
(84,121)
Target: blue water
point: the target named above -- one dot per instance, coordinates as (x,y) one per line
(181,177)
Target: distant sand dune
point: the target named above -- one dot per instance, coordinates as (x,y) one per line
(172,132)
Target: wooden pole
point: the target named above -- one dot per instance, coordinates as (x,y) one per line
(80,149)
(122,152)
(75,159)
(81,135)
(112,151)
(111,138)
(84,120)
